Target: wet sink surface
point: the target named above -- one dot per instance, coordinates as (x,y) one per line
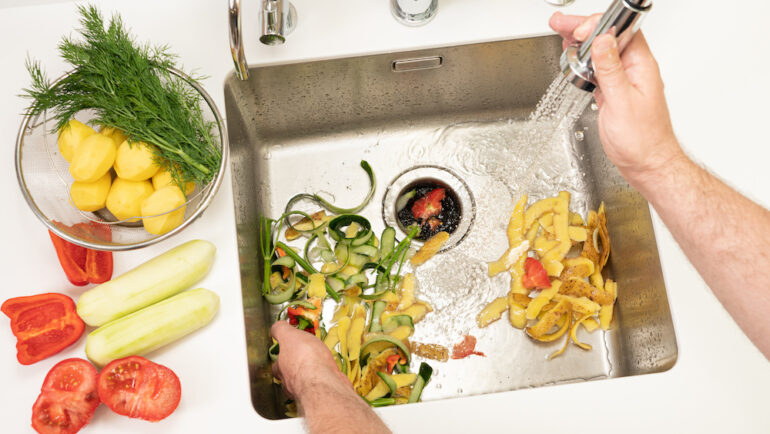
(458,110)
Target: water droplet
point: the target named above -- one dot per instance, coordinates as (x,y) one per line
(594,106)
(579,136)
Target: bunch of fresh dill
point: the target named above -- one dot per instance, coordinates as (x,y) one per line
(128,86)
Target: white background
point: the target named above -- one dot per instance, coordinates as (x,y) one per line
(713,59)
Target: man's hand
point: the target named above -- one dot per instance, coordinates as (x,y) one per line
(303,361)
(634,123)
(323,394)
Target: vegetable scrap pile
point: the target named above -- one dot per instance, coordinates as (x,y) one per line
(560,286)
(376,307)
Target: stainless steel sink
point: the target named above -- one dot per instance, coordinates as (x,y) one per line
(458,111)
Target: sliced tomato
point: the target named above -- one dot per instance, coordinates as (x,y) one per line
(68,398)
(138,388)
(428,205)
(466,348)
(535,276)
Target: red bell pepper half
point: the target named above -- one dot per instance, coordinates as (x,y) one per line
(535,276)
(82,265)
(428,205)
(43,324)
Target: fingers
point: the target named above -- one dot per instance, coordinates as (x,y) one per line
(565,25)
(281,330)
(584,30)
(609,68)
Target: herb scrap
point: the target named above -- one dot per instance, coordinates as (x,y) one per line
(129,86)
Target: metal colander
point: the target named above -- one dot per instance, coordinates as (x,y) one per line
(45,182)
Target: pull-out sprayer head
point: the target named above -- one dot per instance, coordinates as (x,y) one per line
(622,19)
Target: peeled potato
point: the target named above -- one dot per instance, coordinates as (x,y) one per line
(125,198)
(163,179)
(91,196)
(162,201)
(93,158)
(135,161)
(70,136)
(117,135)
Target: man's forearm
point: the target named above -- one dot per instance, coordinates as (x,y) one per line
(725,235)
(333,407)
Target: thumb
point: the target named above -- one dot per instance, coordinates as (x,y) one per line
(608,68)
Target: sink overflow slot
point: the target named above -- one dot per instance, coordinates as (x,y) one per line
(417,64)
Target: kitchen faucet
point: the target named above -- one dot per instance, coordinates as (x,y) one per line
(278,18)
(622,19)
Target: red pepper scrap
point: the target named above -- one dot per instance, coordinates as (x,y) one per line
(535,276)
(312,316)
(428,205)
(466,348)
(43,324)
(82,265)
(391,361)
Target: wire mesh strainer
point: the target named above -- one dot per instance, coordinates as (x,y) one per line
(45,182)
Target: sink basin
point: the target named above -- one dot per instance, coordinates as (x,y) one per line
(457,112)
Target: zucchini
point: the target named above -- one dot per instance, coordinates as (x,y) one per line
(389,339)
(422,379)
(389,381)
(393,322)
(335,283)
(388,241)
(377,309)
(366,250)
(152,327)
(149,283)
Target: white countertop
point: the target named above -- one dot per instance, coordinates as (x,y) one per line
(720,382)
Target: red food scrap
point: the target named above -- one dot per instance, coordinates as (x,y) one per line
(466,348)
(429,205)
(535,276)
(312,316)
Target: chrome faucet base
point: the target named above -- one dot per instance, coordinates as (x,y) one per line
(418,12)
(623,19)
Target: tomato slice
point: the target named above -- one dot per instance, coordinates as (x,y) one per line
(466,348)
(138,388)
(428,205)
(535,276)
(68,398)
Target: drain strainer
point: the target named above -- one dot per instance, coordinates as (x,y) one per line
(432,197)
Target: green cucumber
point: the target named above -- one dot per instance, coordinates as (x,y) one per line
(393,322)
(390,339)
(152,327)
(387,241)
(366,250)
(389,381)
(377,309)
(422,379)
(149,283)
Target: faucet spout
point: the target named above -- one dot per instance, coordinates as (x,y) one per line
(622,19)
(278,20)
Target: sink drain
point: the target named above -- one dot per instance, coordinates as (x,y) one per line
(432,197)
